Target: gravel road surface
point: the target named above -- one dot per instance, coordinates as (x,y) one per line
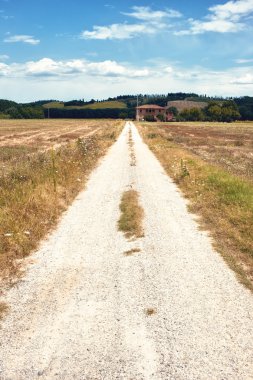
(80,312)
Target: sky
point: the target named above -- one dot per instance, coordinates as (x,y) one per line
(78,49)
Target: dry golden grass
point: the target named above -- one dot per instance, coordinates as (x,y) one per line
(229,145)
(222,199)
(37,185)
(3,309)
(130,221)
(132,251)
(150,311)
(42,134)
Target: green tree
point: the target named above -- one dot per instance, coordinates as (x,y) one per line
(193,114)
(160,117)
(173,110)
(14,113)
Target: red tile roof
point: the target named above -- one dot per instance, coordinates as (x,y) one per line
(151,106)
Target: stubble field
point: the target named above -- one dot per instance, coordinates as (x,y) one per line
(227,145)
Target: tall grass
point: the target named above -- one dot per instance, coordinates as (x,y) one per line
(36,187)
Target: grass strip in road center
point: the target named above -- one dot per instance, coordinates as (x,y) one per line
(130,222)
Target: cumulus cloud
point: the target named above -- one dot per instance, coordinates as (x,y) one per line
(47,67)
(22,38)
(230,17)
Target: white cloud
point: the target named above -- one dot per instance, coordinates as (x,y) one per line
(22,38)
(83,78)
(168,70)
(232,10)
(4,69)
(245,79)
(218,26)
(151,22)
(230,17)
(147,14)
(47,67)
(4,57)
(44,67)
(117,31)
(242,61)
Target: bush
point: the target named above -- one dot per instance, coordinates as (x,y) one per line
(149,118)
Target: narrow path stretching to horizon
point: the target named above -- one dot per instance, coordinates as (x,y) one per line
(85,310)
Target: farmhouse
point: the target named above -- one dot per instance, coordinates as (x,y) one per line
(152,111)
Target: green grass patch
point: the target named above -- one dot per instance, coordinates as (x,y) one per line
(130,221)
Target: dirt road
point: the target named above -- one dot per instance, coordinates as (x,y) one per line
(81,310)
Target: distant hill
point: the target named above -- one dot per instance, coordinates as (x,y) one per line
(53,105)
(181,105)
(96,105)
(106,104)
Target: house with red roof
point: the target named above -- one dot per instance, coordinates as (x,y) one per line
(152,111)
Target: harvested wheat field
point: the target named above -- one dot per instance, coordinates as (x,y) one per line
(45,133)
(128,286)
(229,145)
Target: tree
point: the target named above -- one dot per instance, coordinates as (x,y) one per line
(149,118)
(229,111)
(193,114)
(213,111)
(160,117)
(173,110)
(14,113)
(226,111)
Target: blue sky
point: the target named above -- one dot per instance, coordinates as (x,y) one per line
(63,49)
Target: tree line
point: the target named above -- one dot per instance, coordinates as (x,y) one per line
(218,109)
(226,111)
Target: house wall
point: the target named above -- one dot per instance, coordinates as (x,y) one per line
(142,113)
(149,111)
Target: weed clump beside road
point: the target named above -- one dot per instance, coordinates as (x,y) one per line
(220,194)
(37,186)
(130,221)
(132,251)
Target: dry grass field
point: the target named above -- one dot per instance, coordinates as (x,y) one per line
(227,145)
(45,133)
(43,165)
(212,163)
